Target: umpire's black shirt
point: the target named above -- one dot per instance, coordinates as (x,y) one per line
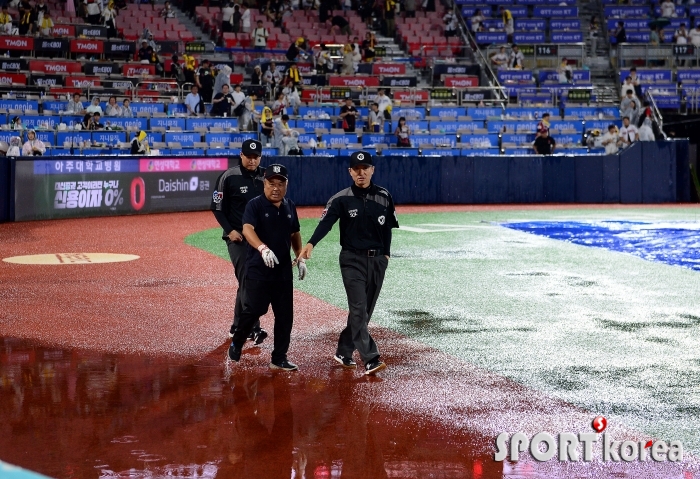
(366,216)
(274,226)
(235,187)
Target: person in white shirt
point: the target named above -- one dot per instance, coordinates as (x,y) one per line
(450,21)
(668,9)
(33,146)
(94,11)
(515,61)
(226,12)
(694,36)
(94,107)
(610,139)
(260,35)
(476,20)
(272,77)
(245,19)
(500,59)
(376,119)
(383,101)
(681,35)
(238,98)
(194,101)
(627,85)
(628,133)
(112,108)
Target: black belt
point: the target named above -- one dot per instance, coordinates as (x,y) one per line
(365,252)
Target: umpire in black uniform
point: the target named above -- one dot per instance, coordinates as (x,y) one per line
(367,216)
(271,227)
(234,189)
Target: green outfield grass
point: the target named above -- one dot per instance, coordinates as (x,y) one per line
(609,332)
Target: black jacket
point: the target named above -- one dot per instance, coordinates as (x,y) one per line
(366,215)
(235,187)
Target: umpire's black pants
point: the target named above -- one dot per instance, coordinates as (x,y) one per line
(259,295)
(238,251)
(363,277)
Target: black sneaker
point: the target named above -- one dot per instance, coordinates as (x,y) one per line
(234,353)
(259,336)
(374,366)
(346,362)
(284,365)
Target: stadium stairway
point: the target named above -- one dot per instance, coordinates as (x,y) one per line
(598,61)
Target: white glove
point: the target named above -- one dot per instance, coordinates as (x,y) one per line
(301,264)
(268,256)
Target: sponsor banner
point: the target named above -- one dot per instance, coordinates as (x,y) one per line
(548,12)
(169,47)
(54,67)
(82,82)
(13,64)
(486,38)
(13,78)
(461,81)
(476,95)
(354,81)
(17,43)
(90,31)
(117,47)
(179,165)
(684,75)
(566,37)
(452,69)
(123,84)
(578,75)
(79,187)
(86,46)
(514,75)
(388,69)
(417,96)
(310,80)
(64,30)
(101,68)
(52,44)
(138,69)
(311,95)
(399,81)
(15,104)
(654,75)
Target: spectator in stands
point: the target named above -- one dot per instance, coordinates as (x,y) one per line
(40,9)
(245,19)
(409,8)
(257,76)
(628,105)
(167,11)
(139,145)
(500,59)
(375,122)
(390,17)
(284,135)
(222,78)
(544,144)
(368,47)
(450,21)
(75,106)
(543,125)
(324,64)
(96,121)
(296,49)
(259,36)
(246,120)
(348,65)
(384,104)
(16,123)
(593,33)
(279,107)
(127,112)
(349,114)
(266,126)
(228,24)
(365,11)
(94,11)
(87,123)
(144,53)
(668,9)
(238,101)
(292,77)
(15,146)
(325,10)
(681,35)
(176,70)
(94,107)
(428,5)
(339,23)
(508,23)
(636,81)
(292,97)
(46,24)
(694,36)
(628,133)
(194,102)
(33,146)
(476,20)
(403,133)
(654,38)
(564,73)
(272,77)
(26,22)
(113,108)
(620,33)
(610,140)
(626,85)
(222,102)
(190,67)
(5,22)
(109,19)
(356,54)
(515,61)
(205,81)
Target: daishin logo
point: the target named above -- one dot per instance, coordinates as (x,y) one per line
(510,446)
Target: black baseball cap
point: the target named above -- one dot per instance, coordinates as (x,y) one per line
(251,148)
(360,158)
(276,170)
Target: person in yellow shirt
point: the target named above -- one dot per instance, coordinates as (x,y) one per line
(189,70)
(508,23)
(46,25)
(5,22)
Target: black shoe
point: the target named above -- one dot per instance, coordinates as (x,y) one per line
(259,336)
(374,366)
(234,353)
(346,362)
(284,365)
